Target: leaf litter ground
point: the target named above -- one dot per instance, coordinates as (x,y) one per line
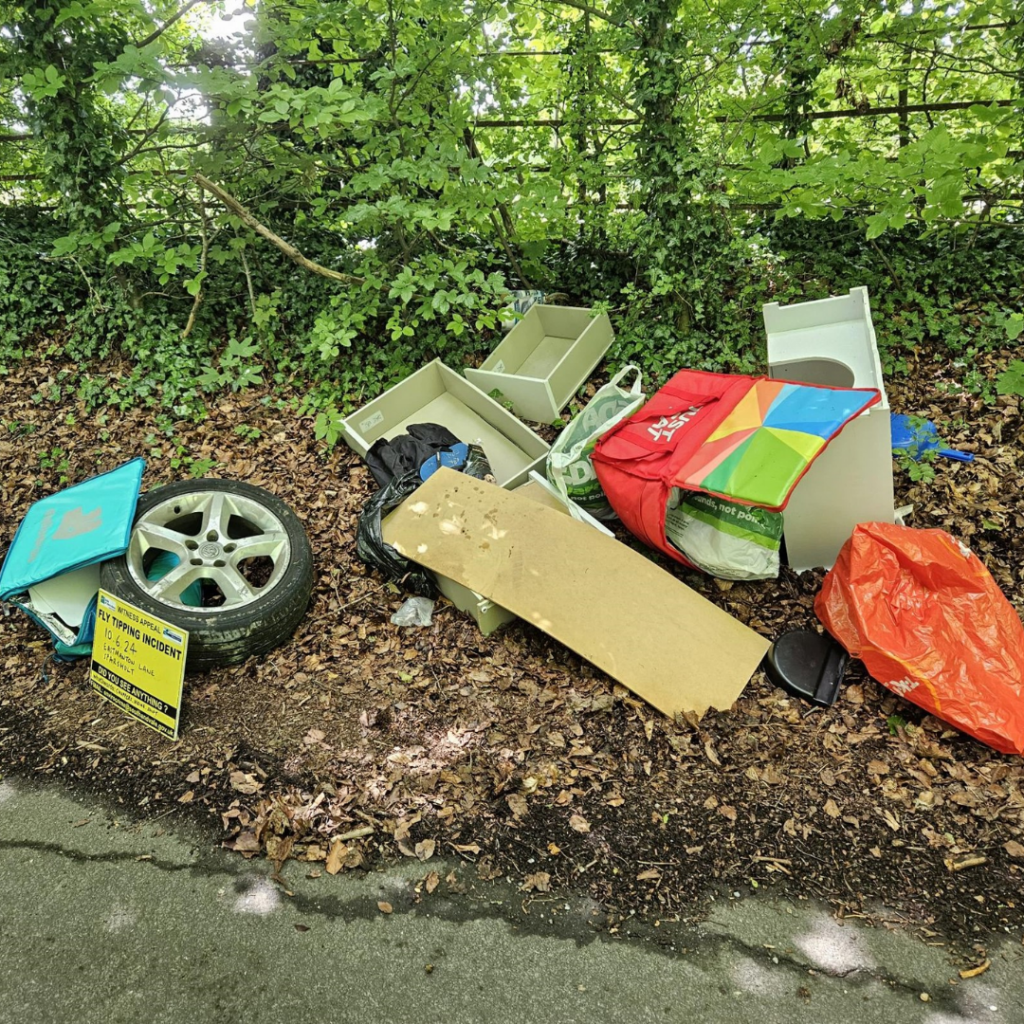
(360,741)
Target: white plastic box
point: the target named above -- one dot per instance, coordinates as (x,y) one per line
(543,360)
(832,341)
(437,394)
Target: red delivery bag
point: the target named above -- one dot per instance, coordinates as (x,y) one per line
(746,440)
(929,623)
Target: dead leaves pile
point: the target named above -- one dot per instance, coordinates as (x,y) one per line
(361,741)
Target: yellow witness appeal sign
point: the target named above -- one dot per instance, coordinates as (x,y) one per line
(138,663)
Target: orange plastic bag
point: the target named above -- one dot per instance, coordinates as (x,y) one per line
(928,621)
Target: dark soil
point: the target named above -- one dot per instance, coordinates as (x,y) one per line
(511,751)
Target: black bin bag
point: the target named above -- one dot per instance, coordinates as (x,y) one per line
(370,545)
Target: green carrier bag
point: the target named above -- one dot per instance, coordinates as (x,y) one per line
(568,465)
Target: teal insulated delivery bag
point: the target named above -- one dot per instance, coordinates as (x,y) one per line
(51,570)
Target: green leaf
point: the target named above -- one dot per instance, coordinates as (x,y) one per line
(1011,380)
(876,225)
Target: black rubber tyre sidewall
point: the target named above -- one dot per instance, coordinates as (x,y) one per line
(227,637)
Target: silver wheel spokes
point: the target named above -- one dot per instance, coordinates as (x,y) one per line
(229,540)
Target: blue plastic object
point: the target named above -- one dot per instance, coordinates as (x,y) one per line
(454,458)
(920,439)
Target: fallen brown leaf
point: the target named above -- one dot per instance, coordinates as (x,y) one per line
(973,972)
(384,907)
(403,828)
(336,857)
(242,782)
(517,804)
(540,880)
(579,823)
(425,849)
(245,843)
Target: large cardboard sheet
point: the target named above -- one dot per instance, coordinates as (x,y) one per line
(608,603)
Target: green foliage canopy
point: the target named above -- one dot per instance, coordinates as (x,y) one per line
(640,153)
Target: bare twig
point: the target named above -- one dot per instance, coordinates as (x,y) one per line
(202,269)
(136,149)
(248,281)
(888,266)
(81,270)
(355,833)
(586,8)
(251,222)
(360,600)
(974,861)
(506,245)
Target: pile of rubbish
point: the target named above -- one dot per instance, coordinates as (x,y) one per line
(731,475)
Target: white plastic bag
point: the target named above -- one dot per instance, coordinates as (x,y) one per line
(568,465)
(417,611)
(724,538)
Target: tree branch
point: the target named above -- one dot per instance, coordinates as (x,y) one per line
(587,9)
(202,267)
(137,148)
(509,253)
(812,115)
(251,222)
(158,32)
(248,281)
(909,108)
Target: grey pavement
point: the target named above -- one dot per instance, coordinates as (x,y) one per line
(108,920)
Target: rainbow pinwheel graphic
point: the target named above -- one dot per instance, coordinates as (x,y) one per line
(766,443)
